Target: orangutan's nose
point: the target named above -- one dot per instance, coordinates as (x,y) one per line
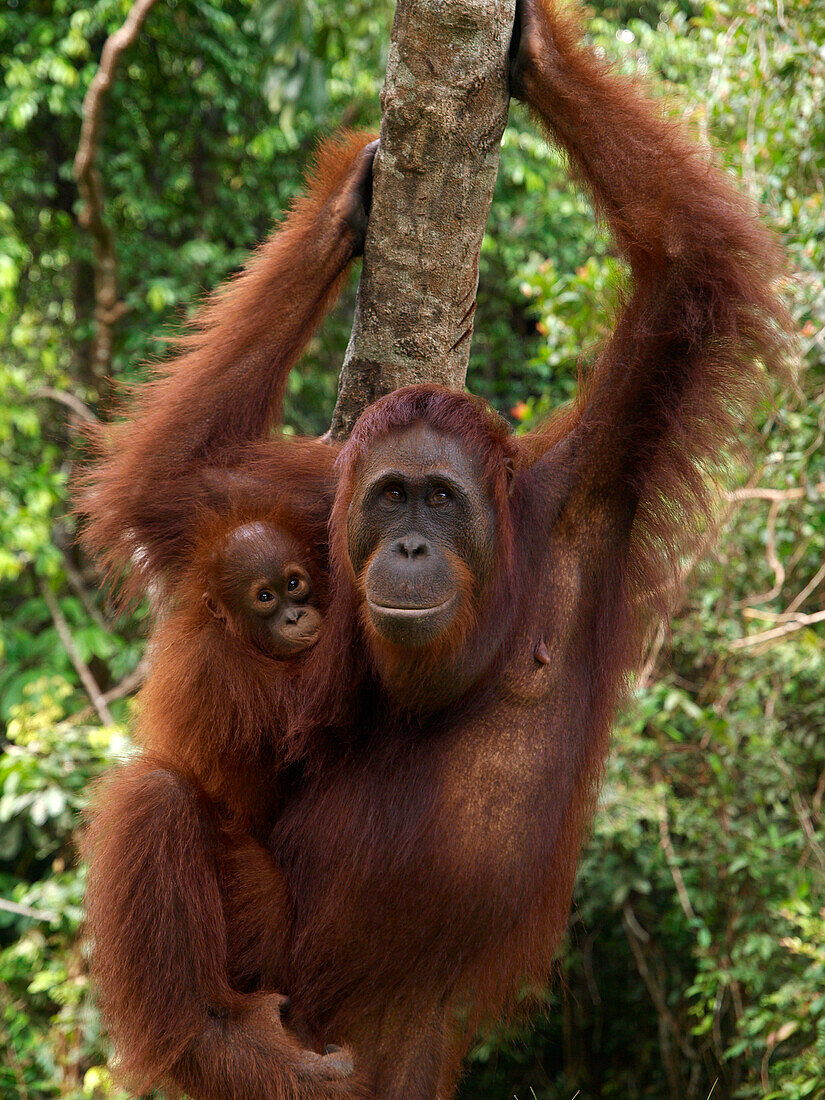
(412,547)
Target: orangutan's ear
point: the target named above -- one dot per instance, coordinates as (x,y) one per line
(509,476)
(214,608)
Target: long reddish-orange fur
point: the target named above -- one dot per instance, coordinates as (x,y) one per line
(176,916)
(463,828)
(183,900)
(186,438)
(430,857)
(187,913)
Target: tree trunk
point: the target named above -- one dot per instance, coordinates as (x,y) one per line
(444,103)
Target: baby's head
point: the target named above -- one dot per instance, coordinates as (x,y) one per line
(261,583)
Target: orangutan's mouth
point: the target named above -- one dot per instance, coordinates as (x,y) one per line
(410,612)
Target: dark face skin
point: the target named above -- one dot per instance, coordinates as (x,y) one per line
(420,534)
(262,585)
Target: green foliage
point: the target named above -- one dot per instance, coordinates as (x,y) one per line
(696,956)
(49,1031)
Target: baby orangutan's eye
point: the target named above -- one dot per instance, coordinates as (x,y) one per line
(265,596)
(297,586)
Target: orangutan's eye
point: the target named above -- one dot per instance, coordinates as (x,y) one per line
(264,596)
(297,585)
(394,494)
(439,496)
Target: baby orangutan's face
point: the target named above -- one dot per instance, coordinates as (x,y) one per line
(263,588)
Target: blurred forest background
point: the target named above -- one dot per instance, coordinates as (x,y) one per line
(695,963)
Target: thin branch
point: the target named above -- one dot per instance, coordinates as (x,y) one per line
(803,545)
(775,616)
(777,498)
(806,815)
(108,309)
(82,669)
(74,403)
(25,910)
(748,155)
(799,622)
(673,862)
(126,686)
(768,616)
(646,673)
(63,539)
(812,584)
(657,994)
(819,794)
(83,594)
(632,923)
(667,1022)
(770,553)
(129,683)
(781,495)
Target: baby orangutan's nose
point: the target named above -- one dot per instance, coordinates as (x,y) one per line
(295,614)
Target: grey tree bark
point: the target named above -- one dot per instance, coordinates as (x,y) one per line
(444,105)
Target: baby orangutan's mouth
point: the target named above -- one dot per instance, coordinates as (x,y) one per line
(292,638)
(300,639)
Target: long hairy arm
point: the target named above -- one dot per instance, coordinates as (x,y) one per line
(224,388)
(701,327)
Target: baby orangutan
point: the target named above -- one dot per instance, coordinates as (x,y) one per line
(230,660)
(260,589)
(186,908)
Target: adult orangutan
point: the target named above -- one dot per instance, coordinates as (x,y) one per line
(502,589)
(498,592)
